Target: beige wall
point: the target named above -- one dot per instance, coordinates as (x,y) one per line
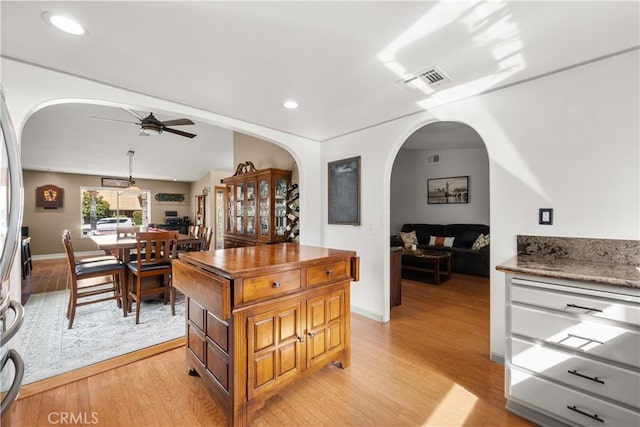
(45,225)
(263,154)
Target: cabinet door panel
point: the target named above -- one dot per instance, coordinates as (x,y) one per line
(273,347)
(325,329)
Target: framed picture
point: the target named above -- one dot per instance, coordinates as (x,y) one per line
(49,196)
(344,191)
(448,190)
(115,182)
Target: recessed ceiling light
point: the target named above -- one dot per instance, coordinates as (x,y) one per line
(63,23)
(291,105)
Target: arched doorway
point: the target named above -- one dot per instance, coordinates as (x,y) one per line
(451,158)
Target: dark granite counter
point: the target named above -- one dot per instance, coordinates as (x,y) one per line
(606,261)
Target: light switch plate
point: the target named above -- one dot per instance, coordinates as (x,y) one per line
(545,216)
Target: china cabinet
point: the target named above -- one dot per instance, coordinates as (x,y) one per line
(256,211)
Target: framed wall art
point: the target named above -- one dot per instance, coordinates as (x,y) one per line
(344,191)
(49,196)
(448,190)
(115,182)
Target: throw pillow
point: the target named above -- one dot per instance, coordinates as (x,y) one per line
(480,242)
(409,239)
(446,242)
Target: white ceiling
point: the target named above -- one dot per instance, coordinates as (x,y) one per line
(340,60)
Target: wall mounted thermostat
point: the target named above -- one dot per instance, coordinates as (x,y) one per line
(545,216)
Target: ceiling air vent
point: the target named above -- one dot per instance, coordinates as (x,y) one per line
(433,158)
(426,81)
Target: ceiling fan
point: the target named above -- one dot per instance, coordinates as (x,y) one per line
(150,125)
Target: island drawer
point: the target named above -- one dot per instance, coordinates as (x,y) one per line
(605,380)
(571,405)
(575,303)
(597,339)
(327,273)
(270,285)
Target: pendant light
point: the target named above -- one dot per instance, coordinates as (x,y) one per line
(132,188)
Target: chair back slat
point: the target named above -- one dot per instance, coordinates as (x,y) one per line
(156,247)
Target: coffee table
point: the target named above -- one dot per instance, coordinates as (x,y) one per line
(421,264)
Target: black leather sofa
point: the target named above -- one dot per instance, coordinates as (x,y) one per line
(463,259)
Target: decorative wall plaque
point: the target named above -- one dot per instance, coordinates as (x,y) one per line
(169,197)
(49,197)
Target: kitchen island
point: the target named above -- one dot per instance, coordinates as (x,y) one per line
(263,316)
(573,331)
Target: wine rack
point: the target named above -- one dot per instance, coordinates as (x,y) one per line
(293,212)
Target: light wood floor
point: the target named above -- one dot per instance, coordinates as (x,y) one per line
(428,366)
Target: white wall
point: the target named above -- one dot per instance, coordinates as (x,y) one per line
(409,187)
(561,141)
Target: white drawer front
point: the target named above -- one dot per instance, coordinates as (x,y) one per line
(610,342)
(606,380)
(557,400)
(627,312)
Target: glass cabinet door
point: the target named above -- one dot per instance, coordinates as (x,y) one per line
(251,207)
(280,208)
(230,208)
(264,203)
(240,208)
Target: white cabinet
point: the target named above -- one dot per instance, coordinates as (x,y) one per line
(573,351)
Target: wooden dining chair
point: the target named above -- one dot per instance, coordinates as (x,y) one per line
(205,235)
(90,279)
(157,249)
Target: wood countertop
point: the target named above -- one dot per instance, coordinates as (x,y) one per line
(245,261)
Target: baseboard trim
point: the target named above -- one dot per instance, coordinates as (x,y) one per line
(98,368)
(497,358)
(366,313)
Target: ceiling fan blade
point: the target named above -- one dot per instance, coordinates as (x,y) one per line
(113,120)
(178,122)
(134,114)
(179,132)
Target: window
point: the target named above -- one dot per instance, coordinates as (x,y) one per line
(104,209)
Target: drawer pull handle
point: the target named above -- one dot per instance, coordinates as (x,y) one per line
(311,334)
(596,379)
(276,284)
(586,414)
(301,339)
(329,272)
(584,308)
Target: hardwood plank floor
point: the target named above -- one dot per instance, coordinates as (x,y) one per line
(428,366)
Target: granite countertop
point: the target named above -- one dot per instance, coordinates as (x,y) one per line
(606,261)
(564,268)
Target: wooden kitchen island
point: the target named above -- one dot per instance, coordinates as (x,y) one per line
(260,317)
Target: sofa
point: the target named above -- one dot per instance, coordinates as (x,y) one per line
(464,259)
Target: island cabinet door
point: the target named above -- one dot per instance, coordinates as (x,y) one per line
(325,327)
(273,347)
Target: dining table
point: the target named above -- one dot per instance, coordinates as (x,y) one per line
(112,243)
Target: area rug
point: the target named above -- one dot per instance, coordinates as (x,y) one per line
(99,332)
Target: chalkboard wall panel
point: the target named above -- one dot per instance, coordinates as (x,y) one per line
(344,191)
